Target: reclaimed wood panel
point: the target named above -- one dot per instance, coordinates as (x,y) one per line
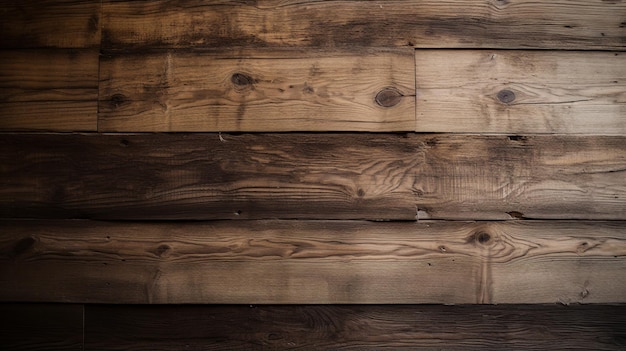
(561,24)
(313,262)
(55,90)
(315,176)
(369,90)
(41,327)
(500,91)
(50,23)
(511,327)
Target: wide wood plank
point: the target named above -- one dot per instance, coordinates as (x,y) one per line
(41,327)
(50,23)
(313,262)
(366,90)
(560,24)
(521,91)
(46,89)
(515,327)
(317,176)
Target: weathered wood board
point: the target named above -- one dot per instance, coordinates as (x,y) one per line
(315,176)
(45,327)
(49,89)
(504,327)
(289,262)
(50,23)
(368,90)
(500,91)
(560,24)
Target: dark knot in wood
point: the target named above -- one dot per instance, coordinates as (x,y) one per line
(241,80)
(117,100)
(388,97)
(506,96)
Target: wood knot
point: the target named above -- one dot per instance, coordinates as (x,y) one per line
(117,100)
(241,80)
(163,250)
(388,97)
(482,238)
(506,96)
(23,245)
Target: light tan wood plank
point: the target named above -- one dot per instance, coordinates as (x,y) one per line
(314,262)
(556,24)
(47,89)
(521,91)
(368,90)
(50,23)
(315,176)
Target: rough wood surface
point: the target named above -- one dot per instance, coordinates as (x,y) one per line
(316,176)
(47,89)
(31,327)
(514,327)
(49,23)
(288,262)
(368,90)
(560,24)
(521,91)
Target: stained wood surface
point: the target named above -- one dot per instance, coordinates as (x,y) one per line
(316,176)
(288,262)
(41,327)
(561,24)
(521,91)
(47,89)
(367,90)
(355,327)
(50,23)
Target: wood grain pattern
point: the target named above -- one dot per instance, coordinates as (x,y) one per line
(562,24)
(54,90)
(313,262)
(513,327)
(521,91)
(31,327)
(316,176)
(50,23)
(280,91)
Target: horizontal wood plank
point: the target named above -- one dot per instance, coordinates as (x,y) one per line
(313,262)
(48,89)
(521,91)
(512,327)
(369,90)
(50,23)
(316,176)
(31,327)
(561,24)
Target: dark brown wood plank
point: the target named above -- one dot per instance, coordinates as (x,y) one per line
(404,327)
(48,89)
(502,91)
(261,90)
(561,24)
(315,176)
(50,23)
(313,262)
(41,327)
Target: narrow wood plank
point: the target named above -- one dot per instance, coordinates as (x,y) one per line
(55,90)
(50,23)
(41,327)
(560,24)
(365,90)
(515,327)
(314,262)
(316,176)
(521,91)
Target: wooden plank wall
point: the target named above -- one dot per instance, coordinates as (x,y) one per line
(344,162)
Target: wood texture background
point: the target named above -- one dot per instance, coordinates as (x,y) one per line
(439,152)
